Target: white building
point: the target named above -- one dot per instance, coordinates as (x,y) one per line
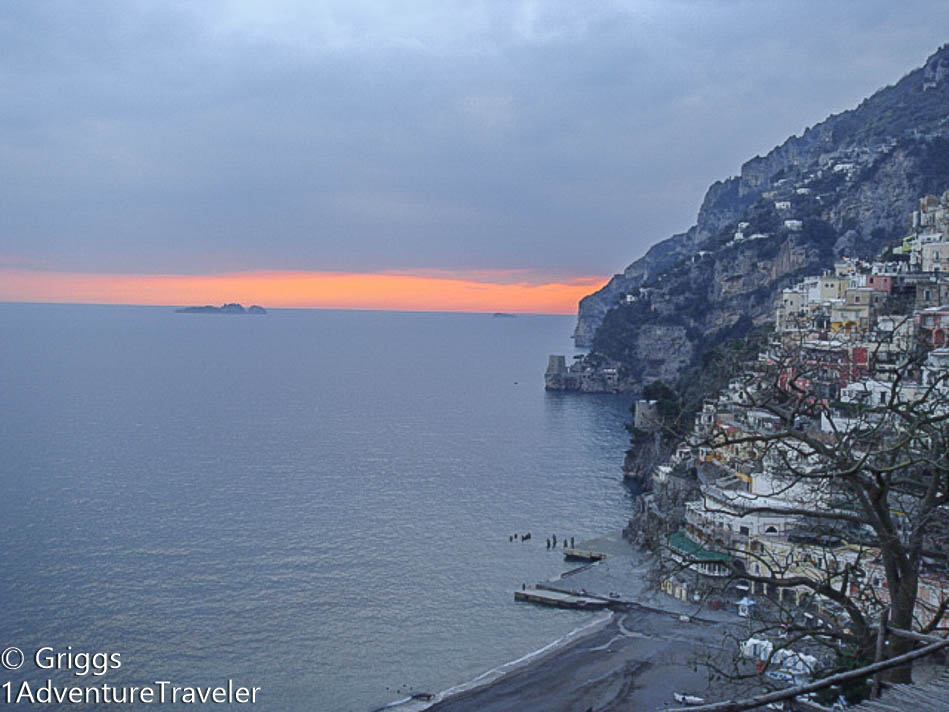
(934,257)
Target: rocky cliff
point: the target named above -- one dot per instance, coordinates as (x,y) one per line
(845,186)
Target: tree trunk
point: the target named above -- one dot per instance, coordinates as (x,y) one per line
(901,616)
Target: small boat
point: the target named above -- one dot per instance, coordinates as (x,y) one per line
(688,699)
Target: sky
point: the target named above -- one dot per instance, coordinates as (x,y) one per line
(445,155)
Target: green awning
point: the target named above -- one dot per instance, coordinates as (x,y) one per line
(694,550)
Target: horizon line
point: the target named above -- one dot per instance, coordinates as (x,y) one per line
(279,308)
(473,292)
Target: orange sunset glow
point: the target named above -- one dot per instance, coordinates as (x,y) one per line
(485,292)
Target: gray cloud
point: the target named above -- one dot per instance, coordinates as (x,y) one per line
(140,136)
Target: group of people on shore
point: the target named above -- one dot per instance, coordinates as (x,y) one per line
(551,541)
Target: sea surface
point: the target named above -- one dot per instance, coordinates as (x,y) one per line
(316,503)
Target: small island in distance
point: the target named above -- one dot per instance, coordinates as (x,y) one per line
(224,309)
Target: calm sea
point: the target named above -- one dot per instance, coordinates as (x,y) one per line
(317,503)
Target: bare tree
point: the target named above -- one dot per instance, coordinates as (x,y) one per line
(833,462)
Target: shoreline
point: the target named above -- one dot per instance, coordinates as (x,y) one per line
(634,663)
(534,658)
(625,660)
(490,677)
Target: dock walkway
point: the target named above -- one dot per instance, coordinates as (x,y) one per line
(583,555)
(560,599)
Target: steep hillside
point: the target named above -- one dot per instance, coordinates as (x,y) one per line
(845,186)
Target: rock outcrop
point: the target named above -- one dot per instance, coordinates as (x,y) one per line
(232,308)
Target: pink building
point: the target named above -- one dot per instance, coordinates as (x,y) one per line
(880,282)
(934,323)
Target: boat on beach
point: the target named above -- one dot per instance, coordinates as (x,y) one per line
(687,699)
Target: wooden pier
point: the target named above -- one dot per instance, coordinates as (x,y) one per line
(583,555)
(559,599)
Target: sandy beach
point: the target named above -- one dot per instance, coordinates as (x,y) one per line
(635,662)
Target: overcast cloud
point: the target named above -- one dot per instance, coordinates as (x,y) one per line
(564,137)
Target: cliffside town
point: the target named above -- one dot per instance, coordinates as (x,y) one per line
(817,479)
(844,187)
(791,350)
